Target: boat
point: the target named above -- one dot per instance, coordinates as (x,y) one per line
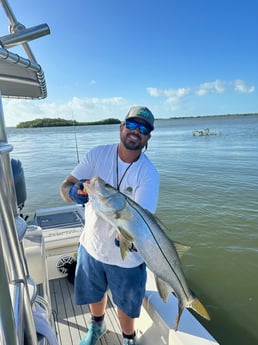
(203,132)
(37,257)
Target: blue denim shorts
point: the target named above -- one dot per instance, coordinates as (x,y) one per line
(93,278)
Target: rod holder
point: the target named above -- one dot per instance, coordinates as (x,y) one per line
(24,36)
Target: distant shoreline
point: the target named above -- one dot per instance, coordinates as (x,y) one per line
(59,122)
(205,116)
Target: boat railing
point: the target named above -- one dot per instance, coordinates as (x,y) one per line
(19,78)
(13,265)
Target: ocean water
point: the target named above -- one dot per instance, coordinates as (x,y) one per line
(208,200)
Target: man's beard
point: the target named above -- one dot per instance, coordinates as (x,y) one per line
(132,145)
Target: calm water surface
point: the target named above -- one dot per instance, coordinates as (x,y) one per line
(208,200)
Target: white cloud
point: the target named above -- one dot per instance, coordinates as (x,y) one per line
(216,86)
(241,87)
(169,93)
(95,108)
(82,109)
(175,96)
(178,93)
(153,91)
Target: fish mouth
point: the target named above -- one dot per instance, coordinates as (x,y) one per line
(90,185)
(97,187)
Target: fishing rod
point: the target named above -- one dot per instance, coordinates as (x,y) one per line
(75,138)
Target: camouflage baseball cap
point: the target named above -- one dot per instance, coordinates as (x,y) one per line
(143,113)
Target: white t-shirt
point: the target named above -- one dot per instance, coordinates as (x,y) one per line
(140,182)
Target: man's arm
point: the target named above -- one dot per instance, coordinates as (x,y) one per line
(66,186)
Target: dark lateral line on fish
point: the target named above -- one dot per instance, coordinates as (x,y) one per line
(131,202)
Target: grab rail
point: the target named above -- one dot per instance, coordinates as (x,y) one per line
(17,296)
(23,78)
(10,247)
(8,333)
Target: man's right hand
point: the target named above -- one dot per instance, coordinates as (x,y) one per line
(77,194)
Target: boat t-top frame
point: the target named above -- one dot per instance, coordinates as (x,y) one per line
(19,78)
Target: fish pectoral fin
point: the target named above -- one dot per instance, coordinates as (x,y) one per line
(197,306)
(124,247)
(163,288)
(125,234)
(181,248)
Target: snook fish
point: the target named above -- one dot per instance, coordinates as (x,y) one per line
(137,225)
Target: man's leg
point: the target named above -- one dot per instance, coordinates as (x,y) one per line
(126,322)
(128,288)
(98,326)
(98,309)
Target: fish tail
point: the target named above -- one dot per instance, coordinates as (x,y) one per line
(197,306)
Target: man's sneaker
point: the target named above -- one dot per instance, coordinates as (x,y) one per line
(94,333)
(129,341)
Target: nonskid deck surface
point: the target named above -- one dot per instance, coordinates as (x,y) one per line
(72,321)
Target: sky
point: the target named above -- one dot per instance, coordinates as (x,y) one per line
(177,57)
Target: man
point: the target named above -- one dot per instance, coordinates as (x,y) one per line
(99,263)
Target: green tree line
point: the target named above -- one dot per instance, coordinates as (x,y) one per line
(57,122)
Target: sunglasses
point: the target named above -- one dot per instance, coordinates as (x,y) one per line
(133,125)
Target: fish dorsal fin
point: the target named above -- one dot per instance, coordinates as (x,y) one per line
(159,222)
(163,288)
(181,248)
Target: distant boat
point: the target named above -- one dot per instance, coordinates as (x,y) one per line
(204,132)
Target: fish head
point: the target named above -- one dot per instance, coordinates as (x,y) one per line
(104,197)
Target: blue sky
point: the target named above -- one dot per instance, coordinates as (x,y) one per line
(178,57)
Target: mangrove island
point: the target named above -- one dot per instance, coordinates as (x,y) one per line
(58,122)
